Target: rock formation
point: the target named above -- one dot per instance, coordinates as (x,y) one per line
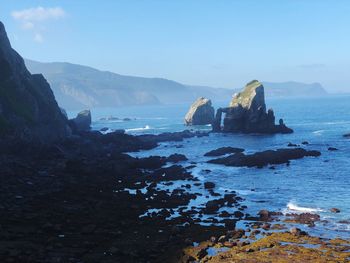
(82,122)
(200,113)
(28,109)
(261,159)
(247,113)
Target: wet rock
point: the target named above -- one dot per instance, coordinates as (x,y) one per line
(224,214)
(211,207)
(332,149)
(335,210)
(264,215)
(305,143)
(236,234)
(266,226)
(346,135)
(261,159)
(209,185)
(304,218)
(230,244)
(297,231)
(175,158)
(238,214)
(223,151)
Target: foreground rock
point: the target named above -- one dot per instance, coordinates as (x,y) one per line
(201,112)
(223,151)
(292,246)
(82,122)
(28,109)
(247,113)
(264,158)
(70,201)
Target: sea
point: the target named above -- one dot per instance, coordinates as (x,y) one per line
(311,184)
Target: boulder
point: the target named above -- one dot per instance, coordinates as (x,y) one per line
(175,158)
(335,210)
(209,185)
(201,112)
(82,122)
(247,113)
(28,109)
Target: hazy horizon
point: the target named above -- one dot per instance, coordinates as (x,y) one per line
(218,44)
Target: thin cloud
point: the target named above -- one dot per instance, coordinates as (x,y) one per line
(33,19)
(38,14)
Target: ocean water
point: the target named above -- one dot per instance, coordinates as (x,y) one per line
(308,185)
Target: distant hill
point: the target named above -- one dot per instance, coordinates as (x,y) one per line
(77,87)
(293,89)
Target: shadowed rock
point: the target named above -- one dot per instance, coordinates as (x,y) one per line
(200,113)
(82,122)
(247,113)
(264,158)
(28,109)
(223,151)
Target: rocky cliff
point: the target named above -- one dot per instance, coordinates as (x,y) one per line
(200,113)
(28,109)
(247,113)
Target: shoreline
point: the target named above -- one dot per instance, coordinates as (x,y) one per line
(73,202)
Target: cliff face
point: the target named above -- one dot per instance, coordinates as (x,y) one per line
(247,113)
(28,109)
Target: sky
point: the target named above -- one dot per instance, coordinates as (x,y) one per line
(219,43)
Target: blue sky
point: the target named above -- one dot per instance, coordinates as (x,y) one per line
(216,43)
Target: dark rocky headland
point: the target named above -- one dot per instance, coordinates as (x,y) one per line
(69,194)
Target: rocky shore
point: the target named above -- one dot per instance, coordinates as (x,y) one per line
(80,201)
(85,199)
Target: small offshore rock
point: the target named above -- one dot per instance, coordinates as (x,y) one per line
(223,151)
(209,185)
(335,210)
(332,149)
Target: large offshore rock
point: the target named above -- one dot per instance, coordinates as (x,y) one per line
(82,122)
(247,113)
(28,109)
(264,158)
(200,113)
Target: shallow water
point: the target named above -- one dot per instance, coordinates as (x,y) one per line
(310,184)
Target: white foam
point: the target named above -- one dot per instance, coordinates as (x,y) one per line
(292,207)
(147,127)
(319,132)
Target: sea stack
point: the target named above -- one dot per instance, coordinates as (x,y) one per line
(201,112)
(247,113)
(28,109)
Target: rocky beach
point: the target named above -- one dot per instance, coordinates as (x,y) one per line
(87,188)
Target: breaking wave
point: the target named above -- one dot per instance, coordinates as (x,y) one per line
(292,207)
(147,127)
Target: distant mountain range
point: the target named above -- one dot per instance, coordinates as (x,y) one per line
(78,87)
